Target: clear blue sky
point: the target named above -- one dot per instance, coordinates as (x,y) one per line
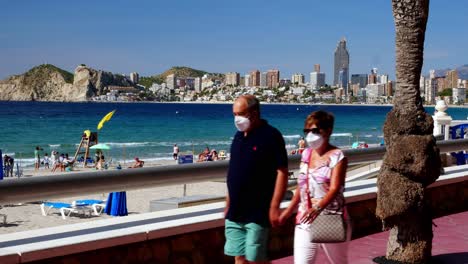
(150,36)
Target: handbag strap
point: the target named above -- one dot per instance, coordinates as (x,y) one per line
(309,200)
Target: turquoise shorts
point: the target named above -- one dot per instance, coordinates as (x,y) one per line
(246,239)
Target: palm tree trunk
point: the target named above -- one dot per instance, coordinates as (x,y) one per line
(412,160)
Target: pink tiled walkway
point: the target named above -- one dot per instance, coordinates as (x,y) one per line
(450,243)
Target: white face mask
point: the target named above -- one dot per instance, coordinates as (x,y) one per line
(314,140)
(242,123)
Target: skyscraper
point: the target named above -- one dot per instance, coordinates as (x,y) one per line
(273,77)
(232,78)
(317,78)
(341,64)
(360,79)
(255,78)
(263,79)
(171,81)
(297,78)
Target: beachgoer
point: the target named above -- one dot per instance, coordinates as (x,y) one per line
(37,158)
(175,152)
(67,163)
(256,181)
(101,162)
(301,145)
(6,165)
(61,162)
(214,155)
(205,155)
(46,161)
(53,158)
(138,163)
(320,188)
(11,164)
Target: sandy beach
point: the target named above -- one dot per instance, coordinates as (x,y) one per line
(27,216)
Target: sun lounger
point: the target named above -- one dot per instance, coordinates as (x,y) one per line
(97,205)
(65,208)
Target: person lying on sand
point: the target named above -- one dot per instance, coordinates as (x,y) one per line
(138,163)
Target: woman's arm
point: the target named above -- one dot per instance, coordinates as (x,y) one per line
(337,180)
(291,208)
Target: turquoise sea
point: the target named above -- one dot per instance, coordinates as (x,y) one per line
(149,130)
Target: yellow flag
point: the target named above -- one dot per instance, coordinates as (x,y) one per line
(105,119)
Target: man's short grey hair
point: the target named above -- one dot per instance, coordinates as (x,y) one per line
(253,104)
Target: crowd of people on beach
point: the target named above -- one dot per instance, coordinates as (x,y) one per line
(54,162)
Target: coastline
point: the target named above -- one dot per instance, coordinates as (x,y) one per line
(231,102)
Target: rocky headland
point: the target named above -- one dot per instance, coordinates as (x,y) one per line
(49,83)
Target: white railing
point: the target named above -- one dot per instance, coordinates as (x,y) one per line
(66,185)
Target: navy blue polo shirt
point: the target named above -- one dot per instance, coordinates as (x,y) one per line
(252,173)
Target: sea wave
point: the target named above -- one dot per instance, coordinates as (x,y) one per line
(291,136)
(167,144)
(342,135)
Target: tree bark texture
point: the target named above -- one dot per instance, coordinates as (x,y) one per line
(412,160)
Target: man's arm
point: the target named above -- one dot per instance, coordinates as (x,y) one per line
(226,209)
(278,194)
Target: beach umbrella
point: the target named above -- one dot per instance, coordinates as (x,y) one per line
(117,204)
(100,146)
(105,119)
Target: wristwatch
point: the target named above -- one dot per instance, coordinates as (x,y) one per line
(317,207)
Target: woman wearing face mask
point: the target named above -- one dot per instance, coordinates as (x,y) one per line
(320,187)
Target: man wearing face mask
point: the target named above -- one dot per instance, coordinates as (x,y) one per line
(256,181)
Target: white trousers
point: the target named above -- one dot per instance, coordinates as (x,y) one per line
(305,252)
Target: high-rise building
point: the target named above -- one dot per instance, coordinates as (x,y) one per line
(232,78)
(273,77)
(197,84)
(360,79)
(171,81)
(247,80)
(341,65)
(389,88)
(343,76)
(440,83)
(317,80)
(134,77)
(373,76)
(255,78)
(316,67)
(451,79)
(431,88)
(263,79)
(298,78)
(383,78)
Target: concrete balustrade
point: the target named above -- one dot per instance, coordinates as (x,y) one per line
(194,234)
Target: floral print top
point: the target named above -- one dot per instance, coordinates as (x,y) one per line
(319,182)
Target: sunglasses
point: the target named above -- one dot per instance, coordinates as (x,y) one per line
(314,130)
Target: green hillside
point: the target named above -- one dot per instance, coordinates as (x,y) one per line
(179,71)
(42,72)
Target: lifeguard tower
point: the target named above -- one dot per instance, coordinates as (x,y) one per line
(88,139)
